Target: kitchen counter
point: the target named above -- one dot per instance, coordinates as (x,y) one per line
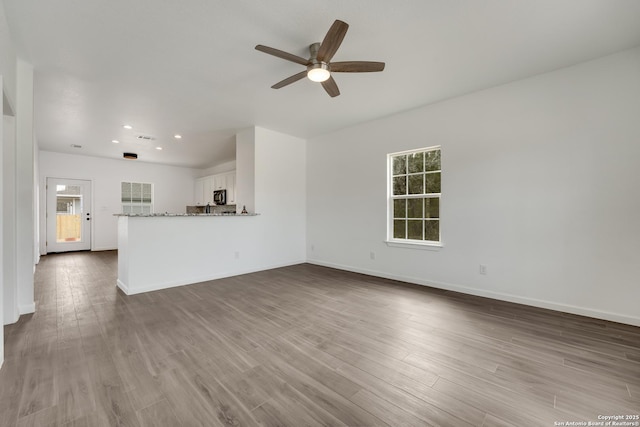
(166,214)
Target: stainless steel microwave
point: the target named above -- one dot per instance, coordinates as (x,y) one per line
(220,197)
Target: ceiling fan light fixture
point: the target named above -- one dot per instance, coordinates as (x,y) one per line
(318,72)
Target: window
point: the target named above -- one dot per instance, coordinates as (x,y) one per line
(414,196)
(137,198)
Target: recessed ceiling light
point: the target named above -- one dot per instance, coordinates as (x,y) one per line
(158,148)
(115,141)
(176,136)
(127,127)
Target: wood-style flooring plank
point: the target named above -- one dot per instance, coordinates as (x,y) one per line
(429,405)
(302,346)
(514,408)
(331,401)
(390,413)
(493,421)
(159,414)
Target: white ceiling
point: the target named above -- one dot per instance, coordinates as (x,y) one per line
(190,67)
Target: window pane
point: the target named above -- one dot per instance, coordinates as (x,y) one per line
(400,208)
(146,193)
(414,208)
(399,165)
(126,192)
(416,162)
(136,192)
(399,229)
(414,230)
(400,185)
(433,182)
(416,185)
(432,160)
(432,230)
(432,208)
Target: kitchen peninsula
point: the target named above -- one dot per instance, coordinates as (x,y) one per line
(158,251)
(163,251)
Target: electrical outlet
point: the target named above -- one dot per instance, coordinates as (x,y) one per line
(483,269)
(237,255)
(372,255)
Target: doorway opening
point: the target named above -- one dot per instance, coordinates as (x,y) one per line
(68,215)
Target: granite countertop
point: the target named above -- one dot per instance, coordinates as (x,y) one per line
(183,214)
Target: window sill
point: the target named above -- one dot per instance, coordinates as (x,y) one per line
(411,245)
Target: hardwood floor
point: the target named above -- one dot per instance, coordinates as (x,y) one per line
(303,346)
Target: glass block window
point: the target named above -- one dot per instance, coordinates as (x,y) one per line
(414,196)
(137,198)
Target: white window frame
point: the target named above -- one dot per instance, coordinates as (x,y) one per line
(138,206)
(411,243)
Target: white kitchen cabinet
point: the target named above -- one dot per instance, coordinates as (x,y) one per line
(220,181)
(203,190)
(205,186)
(199,192)
(208,190)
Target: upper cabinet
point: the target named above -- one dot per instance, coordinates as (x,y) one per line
(204,190)
(220,181)
(231,188)
(205,186)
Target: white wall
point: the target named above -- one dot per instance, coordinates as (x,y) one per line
(36,201)
(25,188)
(280,191)
(10,290)
(2,299)
(173,189)
(540,183)
(221,168)
(8,89)
(245,169)
(7,60)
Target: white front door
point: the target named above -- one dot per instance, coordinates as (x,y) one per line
(68,215)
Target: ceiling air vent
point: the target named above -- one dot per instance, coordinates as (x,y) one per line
(132,156)
(145,137)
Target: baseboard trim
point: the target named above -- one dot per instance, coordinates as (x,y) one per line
(13,318)
(27,308)
(128,290)
(106,248)
(565,308)
(124,288)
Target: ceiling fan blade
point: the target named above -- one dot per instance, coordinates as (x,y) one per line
(282,54)
(332,40)
(331,87)
(289,80)
(356,66)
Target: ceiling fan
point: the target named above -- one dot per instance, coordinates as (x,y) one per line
(319,65)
